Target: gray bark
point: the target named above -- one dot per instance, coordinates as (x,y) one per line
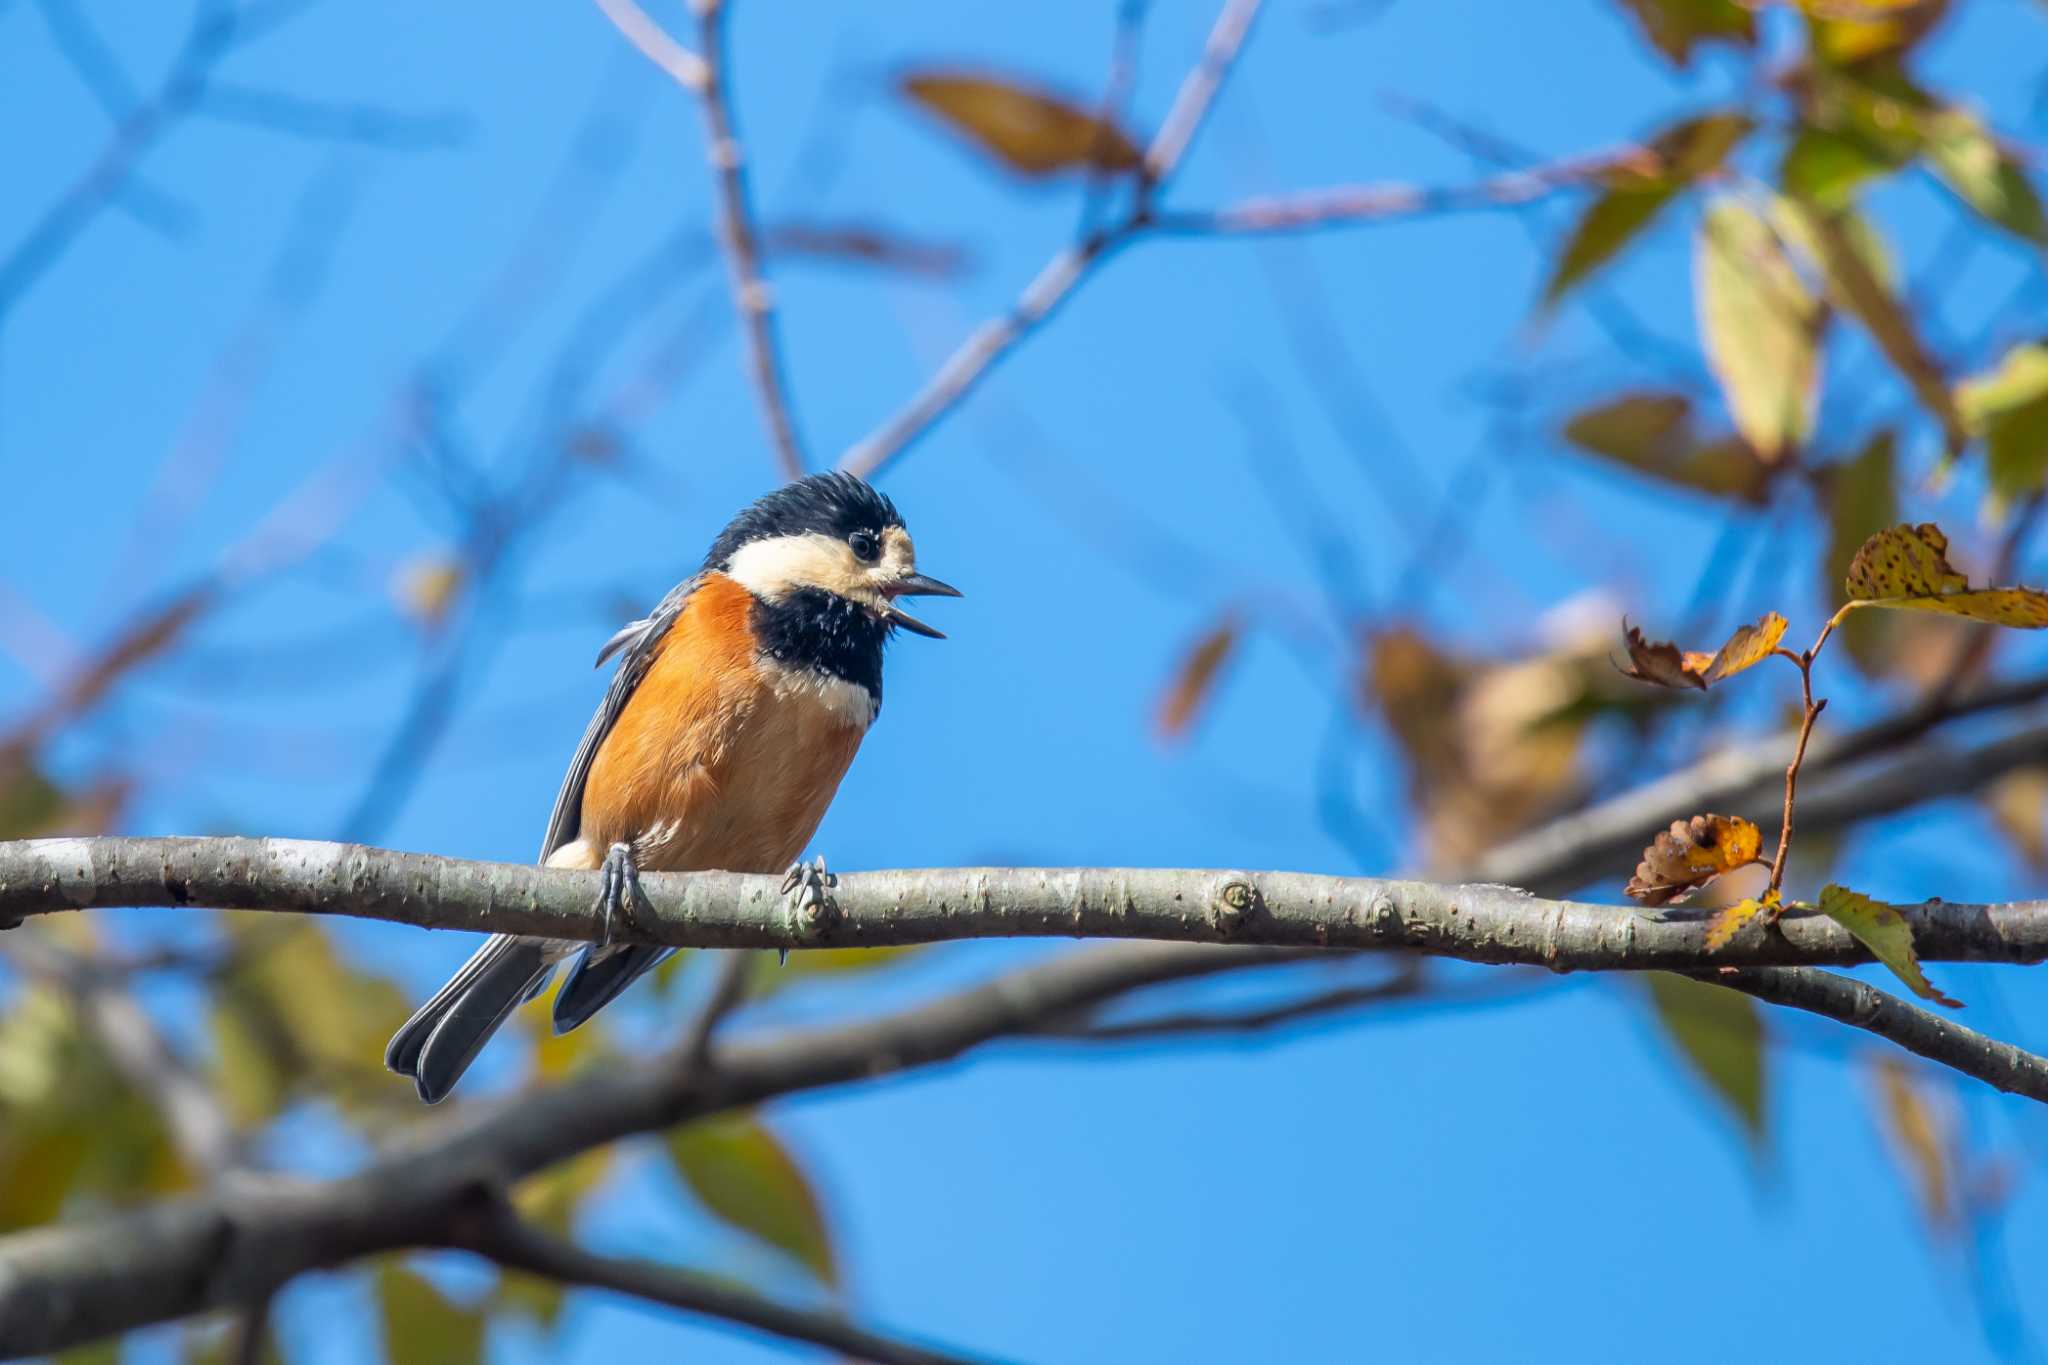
(1478,923)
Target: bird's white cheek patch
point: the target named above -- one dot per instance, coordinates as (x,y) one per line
(846,702)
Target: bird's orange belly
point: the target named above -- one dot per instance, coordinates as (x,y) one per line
(742,793)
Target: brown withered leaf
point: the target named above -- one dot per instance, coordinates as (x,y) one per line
(1692,853)
(2018,805)
(1666,665)
(1031,131)
(1194,681)
(1491,746)
(1906,568)
(1653,434)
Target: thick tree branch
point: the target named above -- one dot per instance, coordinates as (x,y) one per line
(1479,923)
(67,1284)
(521,1247)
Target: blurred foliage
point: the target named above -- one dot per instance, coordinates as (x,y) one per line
(1720,1034)
(743,1176)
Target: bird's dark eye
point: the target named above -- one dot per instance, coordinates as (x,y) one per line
(865,547)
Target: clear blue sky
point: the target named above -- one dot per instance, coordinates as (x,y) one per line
(1530,1181)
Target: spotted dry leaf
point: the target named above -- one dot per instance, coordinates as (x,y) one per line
(1666,665)
(1907,568)
(1692,853)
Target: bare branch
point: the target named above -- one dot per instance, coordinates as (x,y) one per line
(1476,923)
(750,291)
(521,1247)
(990,342)
(683,66)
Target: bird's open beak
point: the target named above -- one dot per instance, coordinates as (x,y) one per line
(916,585)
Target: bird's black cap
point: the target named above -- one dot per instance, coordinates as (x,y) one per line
(833,504)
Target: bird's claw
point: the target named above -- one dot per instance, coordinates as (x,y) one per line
(810,881)
(621,885)
(814,880)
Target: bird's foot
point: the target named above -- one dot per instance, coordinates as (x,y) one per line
(621,886)
(810,881)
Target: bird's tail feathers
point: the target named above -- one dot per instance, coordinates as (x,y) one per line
(442,1038)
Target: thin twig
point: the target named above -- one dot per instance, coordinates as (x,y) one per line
(683,66)
(989,343)
(519,1246)
(750,290)
(735,969)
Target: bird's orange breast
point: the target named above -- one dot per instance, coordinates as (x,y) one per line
(719,760)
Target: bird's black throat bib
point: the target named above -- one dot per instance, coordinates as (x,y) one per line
(822,631)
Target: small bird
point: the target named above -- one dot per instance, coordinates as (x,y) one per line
(736,710)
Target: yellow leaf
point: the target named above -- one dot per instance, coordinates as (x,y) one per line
(1760,326)
(1692,853)
(1720,1033)
(741,1173)
(1731,920)
(1195,680)
(1749,645)
(1906,568)
(1922,1137)
(1848,31)
(428,587)
(1883,930)
(1029,130)
(1665,665)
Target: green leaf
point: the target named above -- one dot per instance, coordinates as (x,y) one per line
(1720,1033)
(423,1326)
(1827,168)
(1760,326)
(1862,499)
(29,801)
(1677,27)
(2009,408)
(1634,197)
(1883,930)
(1973,164)
(1652,433)
(744,1176)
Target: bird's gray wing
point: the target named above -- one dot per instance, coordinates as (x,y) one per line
(635,644)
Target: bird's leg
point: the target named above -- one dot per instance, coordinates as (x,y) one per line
(810,881)
(621,885)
